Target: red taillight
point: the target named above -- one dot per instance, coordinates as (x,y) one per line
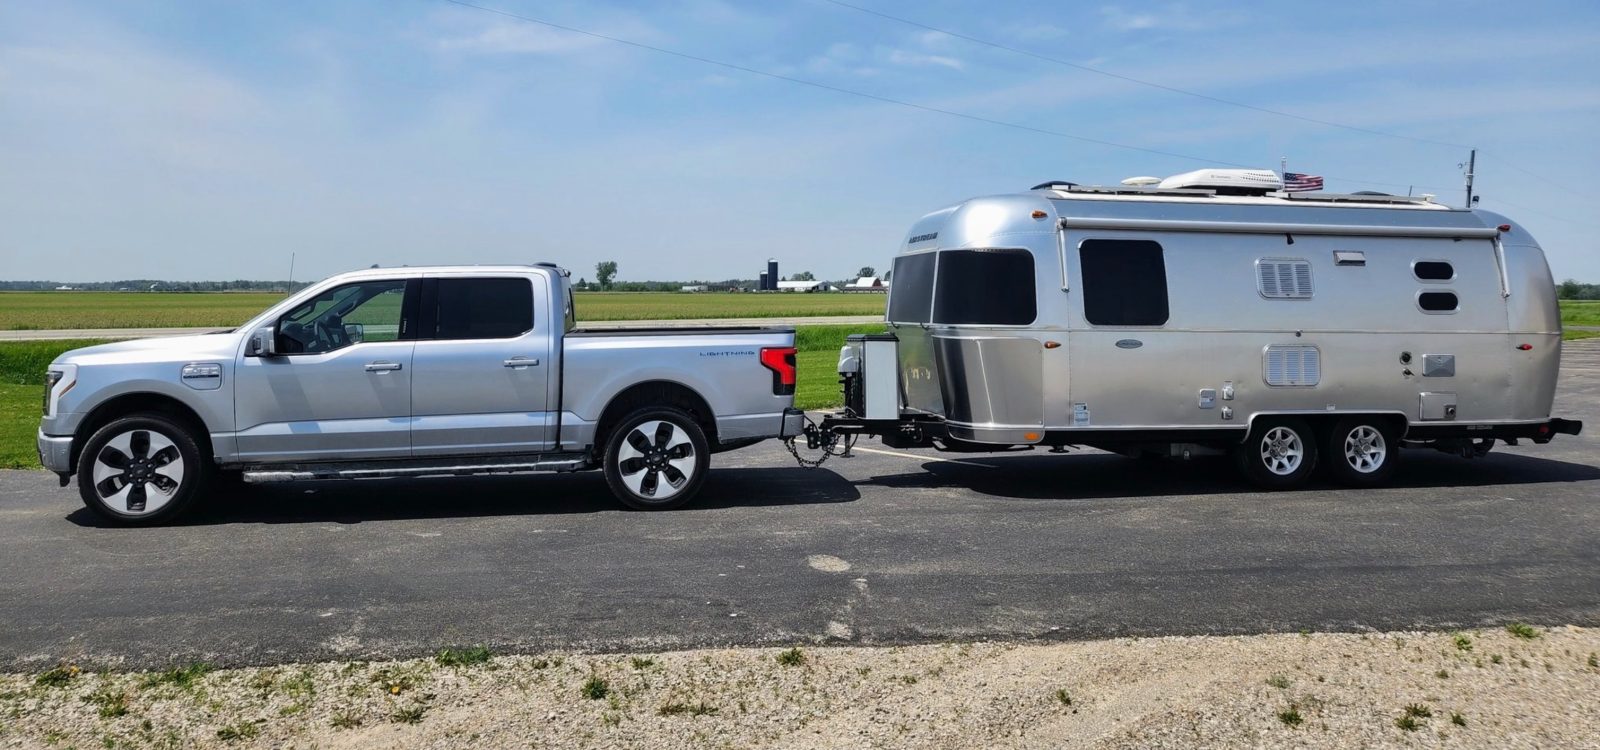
(780,360)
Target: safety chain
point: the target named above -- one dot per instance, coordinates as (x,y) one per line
(816,438)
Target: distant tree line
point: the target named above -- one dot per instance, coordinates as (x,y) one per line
(156,285)
(1571,289)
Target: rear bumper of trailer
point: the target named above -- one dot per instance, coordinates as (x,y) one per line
(1538,432)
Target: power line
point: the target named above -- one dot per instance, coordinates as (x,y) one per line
(1140,81)
(874,97)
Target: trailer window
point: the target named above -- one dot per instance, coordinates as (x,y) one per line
(1433,270)
(911,292)
(1124,282)
(984,287)
(1438,302)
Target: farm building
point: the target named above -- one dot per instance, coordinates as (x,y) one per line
(867,284)
(804,286)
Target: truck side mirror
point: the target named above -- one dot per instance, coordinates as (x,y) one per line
(263,343)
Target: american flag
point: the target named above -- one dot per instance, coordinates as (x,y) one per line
(1294,182)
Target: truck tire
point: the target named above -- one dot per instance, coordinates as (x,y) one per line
(1361,451)
(141,470)
(656,458)
(1280,453)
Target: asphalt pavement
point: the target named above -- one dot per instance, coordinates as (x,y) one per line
(883,547)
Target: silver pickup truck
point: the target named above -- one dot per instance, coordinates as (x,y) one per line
(406,372)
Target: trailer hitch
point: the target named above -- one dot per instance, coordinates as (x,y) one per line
(818,438)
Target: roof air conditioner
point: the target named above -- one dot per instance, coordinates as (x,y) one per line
(1236,181)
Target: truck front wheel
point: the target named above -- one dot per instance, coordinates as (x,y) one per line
(656,459)
(140,470)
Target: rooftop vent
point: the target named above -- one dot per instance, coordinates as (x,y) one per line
(1227,181)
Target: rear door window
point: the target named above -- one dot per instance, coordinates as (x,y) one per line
(487,308)
(1124,282)
(984,287)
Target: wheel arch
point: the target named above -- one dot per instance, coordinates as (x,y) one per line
(656,393)
(134,403)
(1321,422)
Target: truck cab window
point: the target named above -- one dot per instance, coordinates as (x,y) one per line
(985,287)
(343,316)
(489,308)
(1124,283)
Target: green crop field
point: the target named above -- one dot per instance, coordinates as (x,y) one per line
(22,365)
(1580,312)
(58,310)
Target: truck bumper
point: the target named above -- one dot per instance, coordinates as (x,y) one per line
(55,453)
(794,421)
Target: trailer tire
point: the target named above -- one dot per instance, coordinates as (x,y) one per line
(1361,451)
(656,458)
(141,470)
(1280,454)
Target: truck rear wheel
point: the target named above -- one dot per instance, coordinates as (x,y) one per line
(141,470)
(1280,454)
(656,458)
(1361,451)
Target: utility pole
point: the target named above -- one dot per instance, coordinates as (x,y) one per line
(1472,164)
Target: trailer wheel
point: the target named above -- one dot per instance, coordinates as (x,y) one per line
(1279,454)
(1361,451)
(141,470)
(656,459)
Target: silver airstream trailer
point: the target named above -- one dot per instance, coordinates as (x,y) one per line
(1212,313)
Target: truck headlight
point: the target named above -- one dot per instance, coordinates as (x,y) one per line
(57,381)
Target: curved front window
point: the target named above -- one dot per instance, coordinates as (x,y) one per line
(964,287)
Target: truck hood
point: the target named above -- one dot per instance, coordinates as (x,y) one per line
(165,348)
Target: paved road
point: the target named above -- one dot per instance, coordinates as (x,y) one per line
(885,547)
(141,333)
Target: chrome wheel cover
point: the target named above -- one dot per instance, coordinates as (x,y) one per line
(1365,449)
(656,460)
(138,472)
(1282,451)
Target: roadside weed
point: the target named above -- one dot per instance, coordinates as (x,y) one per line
(244,730)
(1291,716)
(1408,723)
(1463,641)
(58,676)
(463,657)
(1457,719)
(793,657)
(345,720)
(409,714)
(1063,697)
(109,703)
(1419,711)
(594,688)
(1496,658)
(643,662)
(1443,674)
(676,708)
(183,677)
(1279,681)
(1522,630)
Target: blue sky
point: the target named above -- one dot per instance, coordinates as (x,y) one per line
(209,140)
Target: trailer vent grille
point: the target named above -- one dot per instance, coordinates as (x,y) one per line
(1293,366)
(1284,278)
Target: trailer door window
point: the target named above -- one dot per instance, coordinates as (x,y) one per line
(984,287)
(1124,282)
(911,292)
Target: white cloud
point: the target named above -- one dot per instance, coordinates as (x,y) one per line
(918,59)
(516,38)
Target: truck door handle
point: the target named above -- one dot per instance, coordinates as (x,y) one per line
(521,362)
(382,366)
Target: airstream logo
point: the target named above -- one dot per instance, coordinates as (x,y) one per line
(924,238)
(741,353)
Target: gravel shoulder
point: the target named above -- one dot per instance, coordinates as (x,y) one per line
(1470,689)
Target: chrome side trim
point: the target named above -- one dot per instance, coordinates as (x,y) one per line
(1251,227)
(513,465)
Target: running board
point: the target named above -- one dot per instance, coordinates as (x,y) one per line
(262,474)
